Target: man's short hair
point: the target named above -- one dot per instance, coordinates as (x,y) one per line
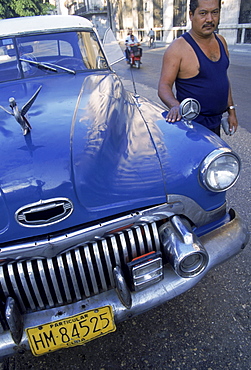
(195,3)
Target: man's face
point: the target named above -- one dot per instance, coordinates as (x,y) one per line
(206,17)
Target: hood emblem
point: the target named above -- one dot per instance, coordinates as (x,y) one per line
(44,213)
(20,114)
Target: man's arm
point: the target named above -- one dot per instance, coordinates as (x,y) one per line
(232,119)
(170,70)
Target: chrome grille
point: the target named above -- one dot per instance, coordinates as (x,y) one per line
(83,271)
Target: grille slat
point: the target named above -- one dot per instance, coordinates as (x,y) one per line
(115,249)
(73,275)
(64,279)
(132,243)
(81,272)
(91,270)
(34,284)
(147,235)
(15,286)
(107,260)
(25,285)
(3,283)
(44,282)
(54,280)
(124,246)
(140,239)
(155,236)
(99,265)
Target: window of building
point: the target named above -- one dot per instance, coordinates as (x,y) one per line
(157,13)
(140,8)
(179,13)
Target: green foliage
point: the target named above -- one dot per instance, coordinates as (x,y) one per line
(23,8)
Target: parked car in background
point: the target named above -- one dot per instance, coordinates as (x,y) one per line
(106,209)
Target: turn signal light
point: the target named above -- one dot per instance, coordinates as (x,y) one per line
(146,270)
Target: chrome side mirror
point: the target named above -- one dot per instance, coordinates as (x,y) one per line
(189,110)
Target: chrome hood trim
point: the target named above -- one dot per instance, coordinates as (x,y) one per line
(44,213)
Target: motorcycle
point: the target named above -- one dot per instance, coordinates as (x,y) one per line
(135,56)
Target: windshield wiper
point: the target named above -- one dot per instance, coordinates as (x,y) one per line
(48,66)
(63,68)
(38,64)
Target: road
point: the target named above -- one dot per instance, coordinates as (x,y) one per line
(208,327)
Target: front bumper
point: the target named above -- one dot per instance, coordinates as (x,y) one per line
(220,244)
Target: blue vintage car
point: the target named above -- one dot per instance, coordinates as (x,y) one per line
(106,209)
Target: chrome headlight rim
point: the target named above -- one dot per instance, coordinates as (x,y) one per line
(209,160)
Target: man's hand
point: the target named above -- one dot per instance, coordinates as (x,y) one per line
(173,114)
(233,123)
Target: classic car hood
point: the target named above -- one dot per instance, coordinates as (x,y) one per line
(89,144)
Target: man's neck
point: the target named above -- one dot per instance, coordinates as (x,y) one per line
(201,39)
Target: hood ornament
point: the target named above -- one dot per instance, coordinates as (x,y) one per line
(20,114)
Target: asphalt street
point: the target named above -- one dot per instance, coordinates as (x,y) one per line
(207,328)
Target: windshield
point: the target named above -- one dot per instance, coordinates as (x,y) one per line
(37,55)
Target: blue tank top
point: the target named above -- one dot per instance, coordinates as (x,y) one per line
(210,86)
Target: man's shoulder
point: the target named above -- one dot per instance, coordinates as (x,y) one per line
(222,39)
(177,46)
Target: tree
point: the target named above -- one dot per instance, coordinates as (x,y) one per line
(22,8)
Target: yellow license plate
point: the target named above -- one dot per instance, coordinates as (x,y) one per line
(71,331)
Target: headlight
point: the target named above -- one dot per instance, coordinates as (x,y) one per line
(220,170)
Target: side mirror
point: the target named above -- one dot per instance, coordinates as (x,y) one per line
(189,110)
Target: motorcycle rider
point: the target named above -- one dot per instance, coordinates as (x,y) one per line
(129,41)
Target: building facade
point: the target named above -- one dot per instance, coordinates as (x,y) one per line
(168,18)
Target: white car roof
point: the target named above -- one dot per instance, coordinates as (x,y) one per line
(42,23)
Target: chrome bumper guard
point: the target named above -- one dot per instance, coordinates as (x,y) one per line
(219,245)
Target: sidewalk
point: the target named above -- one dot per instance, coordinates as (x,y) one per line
(240,48)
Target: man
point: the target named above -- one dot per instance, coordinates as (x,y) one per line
(197,63)
(130,40)
(129,35)
(151,35)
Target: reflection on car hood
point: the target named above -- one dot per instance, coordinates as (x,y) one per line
(88,144)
